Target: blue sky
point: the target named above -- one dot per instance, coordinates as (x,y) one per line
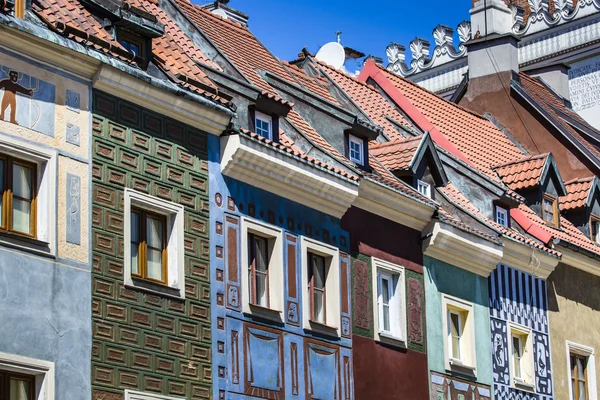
(286,26)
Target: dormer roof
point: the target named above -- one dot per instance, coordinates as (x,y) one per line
(580,193)
(530,172)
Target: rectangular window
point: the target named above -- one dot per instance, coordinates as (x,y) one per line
(388,302)
(263,125)
(424,188)
(455,332)
(316,287)
(131,42)
(550,209)
(356,149)
(384,295)
(579,377)
(459,344)
(17,205)
(522,369)
(517,355)
(502,216)
(16,386)
(148,246)
(258,277)
(595,228)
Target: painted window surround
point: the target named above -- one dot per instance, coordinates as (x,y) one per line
(501,216)
(585,351)
(424,188)
(468,364)
(134,395)
(527,360)
(43,371)
(398,303)
(175,241)
(332,287)
(275,269)
(258,116)
(46,174)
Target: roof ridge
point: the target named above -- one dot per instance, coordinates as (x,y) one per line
(219,18)
(345,74)
(473,113)
(580,180)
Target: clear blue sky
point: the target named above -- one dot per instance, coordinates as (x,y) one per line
(285,26)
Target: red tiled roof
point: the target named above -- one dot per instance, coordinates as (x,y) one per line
(578,191)
(316,85)
(473,135)
(550,102)
(524,173)
(368,98)
(398,154)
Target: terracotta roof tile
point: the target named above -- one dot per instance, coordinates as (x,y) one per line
(472,134)
(523,174)
(578,191)
(316,85)
(398,154)
(368,98)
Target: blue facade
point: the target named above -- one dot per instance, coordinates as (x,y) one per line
(519,298)
(253,357)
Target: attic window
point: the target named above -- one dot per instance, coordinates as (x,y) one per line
(356,149)
(263,124)
(502,216)
(424,188)
(132,42)
(595,228)
(550,209)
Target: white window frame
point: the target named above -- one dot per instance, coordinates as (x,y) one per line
(43,371)
(332,287)
(397,334)
(46,199)
(503,211)
(175,215)
(584,351)
(275,270)
(264,118)
(135,395)
(527,380)
(467,364)
(361,143)
(424,188)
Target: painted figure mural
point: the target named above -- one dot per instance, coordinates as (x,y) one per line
(9,99)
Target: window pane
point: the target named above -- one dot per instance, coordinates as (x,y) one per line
(516,347)
(582,393)
(20,389)
(455,324)
(318,311)
(319,272)
(261,254)
(21,216)
(573,387)
(386,318)
(154,231)
(385,295)
(155,264)
(135,227)
(261,290)
(580,368)
(22,181)
(135,267)
(456,347)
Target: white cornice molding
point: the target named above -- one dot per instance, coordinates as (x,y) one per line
(461,249)
(390,204)
(259,165)
(527,259)
(580,261)
(127,87)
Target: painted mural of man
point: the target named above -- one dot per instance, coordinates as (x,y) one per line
(11,88)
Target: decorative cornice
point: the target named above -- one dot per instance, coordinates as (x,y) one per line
(390,204)
(541,19)
(127,87)
(275,171)
(463,250)
(527,259)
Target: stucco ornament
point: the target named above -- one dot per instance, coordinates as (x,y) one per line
(541,19)
(419,48)
(464,32)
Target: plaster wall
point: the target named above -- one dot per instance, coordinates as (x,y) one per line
(574,314)
(441,278)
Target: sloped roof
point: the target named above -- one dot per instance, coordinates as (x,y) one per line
(398,154)
(578,193)
(523,174)
(368,98)
(473,135)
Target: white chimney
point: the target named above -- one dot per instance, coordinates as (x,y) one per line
(489,17)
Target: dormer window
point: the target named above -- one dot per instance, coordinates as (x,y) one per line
(550,209)
(263,124)
(356,149)
(424,188)
(502,216)
(595,228)
(132,42)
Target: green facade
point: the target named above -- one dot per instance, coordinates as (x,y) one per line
(441,277)
(143,341)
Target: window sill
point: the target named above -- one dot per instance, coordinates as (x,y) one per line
(323,329)
(26,243)
(154,288)
(522,385)
(458,367)
(264,313)
(389,339)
